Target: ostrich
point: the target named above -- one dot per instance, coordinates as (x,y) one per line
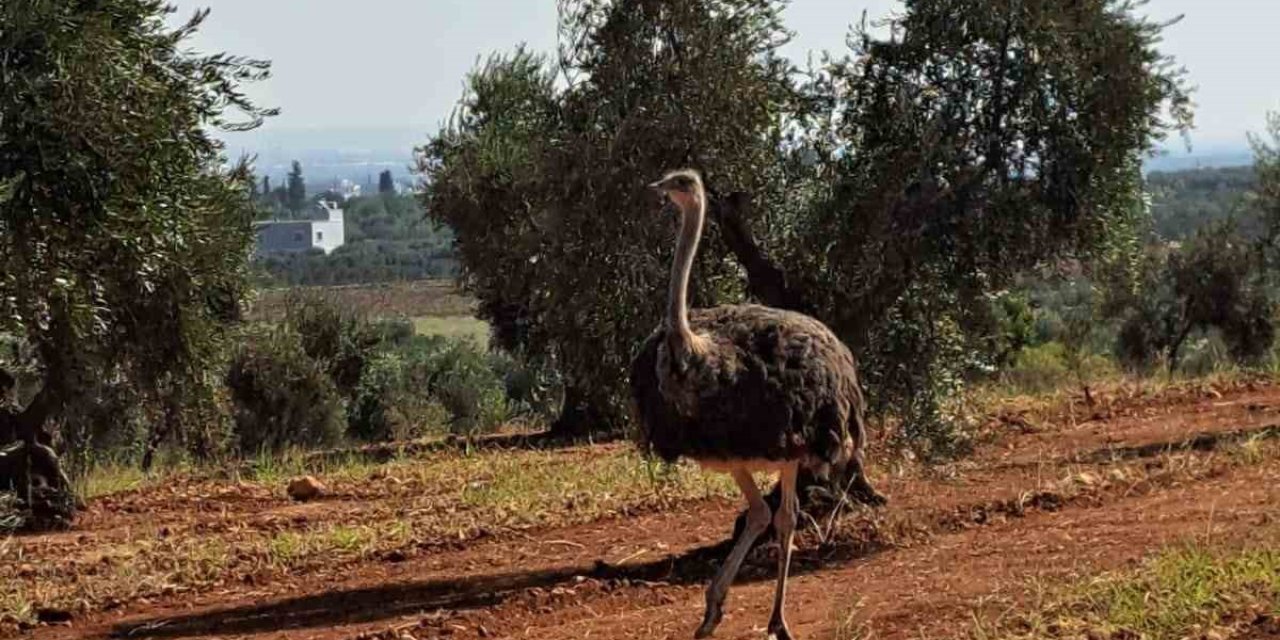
(744,388)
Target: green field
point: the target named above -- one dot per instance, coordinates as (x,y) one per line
(453,327)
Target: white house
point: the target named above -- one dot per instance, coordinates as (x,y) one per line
(324,230)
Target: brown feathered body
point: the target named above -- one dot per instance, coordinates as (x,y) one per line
(765,385)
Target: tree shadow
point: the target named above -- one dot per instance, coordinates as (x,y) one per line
(1199,442)
(381,602)
(384,452)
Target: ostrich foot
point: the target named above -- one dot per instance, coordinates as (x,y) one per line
(709,622)
(864,492)
(779,631)
(872,498)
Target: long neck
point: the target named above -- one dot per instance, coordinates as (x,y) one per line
(692,213)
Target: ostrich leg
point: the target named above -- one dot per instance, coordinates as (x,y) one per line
(757,522)
(784,522)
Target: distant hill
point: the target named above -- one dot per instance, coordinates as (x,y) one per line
(358,154)
(1183,162)
(329,156)
(1184,201)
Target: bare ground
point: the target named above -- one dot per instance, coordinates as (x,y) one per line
(1047,498)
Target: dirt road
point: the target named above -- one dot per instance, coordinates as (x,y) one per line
(1039,502)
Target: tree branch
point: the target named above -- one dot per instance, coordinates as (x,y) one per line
(766,281)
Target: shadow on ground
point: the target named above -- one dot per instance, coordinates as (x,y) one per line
(381,602)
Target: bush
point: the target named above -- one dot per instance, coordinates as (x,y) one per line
(457,374)
(429,384)
(532,391)
(915,364)
(1052,365)
(1039,368)
(386,407)
(340,340)
(281,397)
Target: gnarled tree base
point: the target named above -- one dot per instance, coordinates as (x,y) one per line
(52,503)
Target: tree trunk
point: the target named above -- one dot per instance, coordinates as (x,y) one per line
(768,283)
(159,432)
(1176,346)
(30,468)
(577,417)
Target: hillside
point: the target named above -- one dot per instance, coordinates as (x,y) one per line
(1184,201)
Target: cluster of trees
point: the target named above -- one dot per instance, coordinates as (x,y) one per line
(1182,202)
(891,191)
(1207,269)
(288,200)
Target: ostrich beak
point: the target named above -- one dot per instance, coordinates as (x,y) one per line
(661,188)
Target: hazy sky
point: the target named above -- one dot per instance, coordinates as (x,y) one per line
(399,64)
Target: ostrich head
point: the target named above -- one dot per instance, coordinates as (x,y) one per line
(682,187)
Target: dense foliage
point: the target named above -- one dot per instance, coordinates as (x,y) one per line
(1214,282)
(281,396)
(327,373)
(888,192)
(122,235)
(1184,201)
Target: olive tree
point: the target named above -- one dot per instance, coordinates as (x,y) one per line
(545,188)
(889,192)
(124,234)
(1265,199)
(886,192)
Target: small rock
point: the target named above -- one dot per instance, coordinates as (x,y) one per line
(306,488)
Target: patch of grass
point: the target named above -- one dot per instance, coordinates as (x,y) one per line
(14,607)
(1252,450)
(527,487)
(286,547)
(10,516)
(397,505)
(348,539)
(1184,591)
(849,624)
(278,469)
(453,327)
(104,479)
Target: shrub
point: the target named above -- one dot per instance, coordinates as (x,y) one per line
(1039,368)
(532,391)
(428,384)
(386,407)
(281,397)
(457,374)
(340,340)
